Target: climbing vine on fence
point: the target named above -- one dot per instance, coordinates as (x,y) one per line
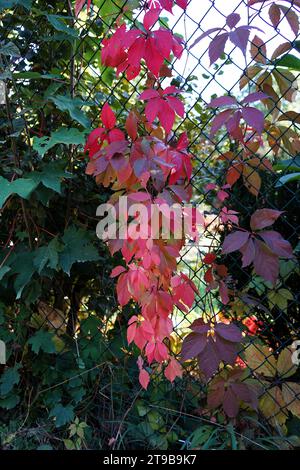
(143,159)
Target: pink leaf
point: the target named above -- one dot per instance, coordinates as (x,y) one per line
(254,118)
(264,218)
(107,117)
(149,94)
(117,271)
(234,241)
(173,370)
(144,378)
(232,20)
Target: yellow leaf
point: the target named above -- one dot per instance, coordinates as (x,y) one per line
(291,396)
(285,366)
(252,180)
(260,360)
(272,406)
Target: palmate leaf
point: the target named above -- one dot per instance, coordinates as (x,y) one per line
(78,249)
(22,187)
(211,344)
(48,256)
(62,414)
(8,379)
(51,177)
(42,341)
(73,107)
(63,135)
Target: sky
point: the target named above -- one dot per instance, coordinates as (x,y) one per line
(201,11)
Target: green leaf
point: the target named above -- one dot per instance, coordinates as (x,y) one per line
(61,136)
(42,341)
(10,49)
(22,187)
(8,379)
(24,268)
(9,402)
(287,179)
(58,23)
(289,61)
(3,271)
(292,164)
(78,249)
(51,176)
(34,75)
(62,414)
(72,105)
(13,3)
(47,256)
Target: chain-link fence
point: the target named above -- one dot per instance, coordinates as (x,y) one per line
(81,364)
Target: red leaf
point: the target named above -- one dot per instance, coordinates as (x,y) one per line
(152,109)
(254,118)
(264,218)
(234,241)
(209,258)
(149,94)
(132,125)
(167,117)
(177,105)
(154,59)
(182,3)
(151,18)
(107,117)
(234,173)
